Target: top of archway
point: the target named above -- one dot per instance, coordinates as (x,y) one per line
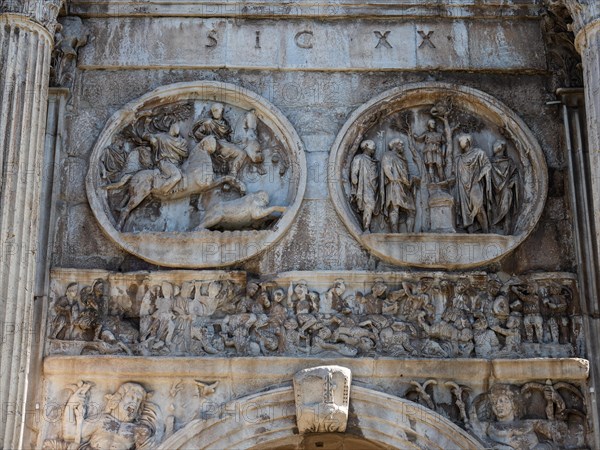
(413,423)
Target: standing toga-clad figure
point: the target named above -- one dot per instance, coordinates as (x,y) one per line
(472,183)
(364,175)
(505,183)
(396,187)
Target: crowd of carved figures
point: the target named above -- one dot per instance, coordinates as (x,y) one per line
(532,416)
(468,316)
(405,179)
(169,154)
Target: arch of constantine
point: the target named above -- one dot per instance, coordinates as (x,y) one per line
(299,225)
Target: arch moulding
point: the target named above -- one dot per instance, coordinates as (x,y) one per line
(259,419)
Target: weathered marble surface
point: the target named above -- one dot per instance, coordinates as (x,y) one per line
(322,399)
(301,44)
(437,351)
(403,315)
(433,240)
(26,37)
(310,9)
(332,247)
(167,185)
(205,405)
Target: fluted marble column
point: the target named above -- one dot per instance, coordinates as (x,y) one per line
(26,39)
(586,27)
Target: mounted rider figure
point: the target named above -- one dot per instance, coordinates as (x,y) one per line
(170,151)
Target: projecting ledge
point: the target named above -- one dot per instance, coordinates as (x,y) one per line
(275,369)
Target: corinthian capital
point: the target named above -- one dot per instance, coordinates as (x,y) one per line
(44,12)
(583,12)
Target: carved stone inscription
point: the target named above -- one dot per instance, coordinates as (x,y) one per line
(454,43)
(431,165)
(398,315)
(195,160)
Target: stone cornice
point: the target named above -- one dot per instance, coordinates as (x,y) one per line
(323,9)
(43,12)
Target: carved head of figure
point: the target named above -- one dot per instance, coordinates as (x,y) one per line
(503,403)
(386,336)
(397,145)
(145,156)
(270,342)
(462,323)
(481,323)
(250,121)
(216,110)
(368,147)
(278,295)
(263,299)
(499,147)
(127,403)
(339,287)
(500,307)
(530,288)
(98,288)
(87,298)
(465,141)
(379,288)
(431,125)
(494,287)
(301,289)
(186,289)
(251,289)
(174,130)
(71,291)
(462,286)
(425,284)
(167,289)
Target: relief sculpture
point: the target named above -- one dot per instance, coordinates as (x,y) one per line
(198,169)
(468,190)
(179,169)
(128,420)
(472,315)
(535,415)
(426,171)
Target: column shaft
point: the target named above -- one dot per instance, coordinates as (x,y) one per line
(590,55)
(587,42)
(25,49)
